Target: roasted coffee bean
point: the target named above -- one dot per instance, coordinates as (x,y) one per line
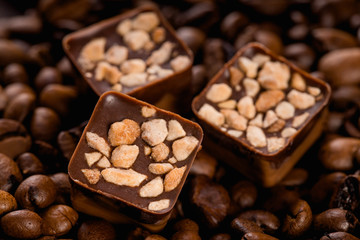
(267,221)
(193,37)
(298,220)
(344,97)
(63,187)
(3,100)
(15,72)
(155,237)
(8,202)
(186,225)
(269,39)
(243,226)
(48,155)
(40,55)
(280,199)
(232,24)
(336,220)
(257,236)
(214,56)
(11,53)
(274,7)
(339,236)
(22,224)
(221,236)
(329,39)
(199,78)
(244,194)
(10,175)
(30,23)
(36,191)
(300,54)
(15,89)
(204,164)
(186,235)
(20,107)
(58,220)
(45,124)
(67,141)
(96,230)
(246,36)
(29,164)
(46,76)
(295,177)
(299,32)
(334,122)
(137,234)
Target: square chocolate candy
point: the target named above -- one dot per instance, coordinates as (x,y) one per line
(137,53)
(260,113)
(132,161)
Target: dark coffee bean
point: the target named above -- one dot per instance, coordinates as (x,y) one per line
(30,23)
(257,236)
(214,56)
(339,236)
(29,164)
(204,164)
(186,235)
(243,226)
(280,199)
(336,220)
(199,78)
(344,97)
(36,191)
(221,236)
(15,72)
(245,36)
(47,238)
(334,122)
(186,225)
(193,37)
(48,155)
(329,39)
(298,220)
(22,224)
(20,107)
(244,194)
(96,230)
(15,89)
(45,124)
(267,221)
(58,220)
(40,55)
(46,76)
(275,7)
(300,54)
(298,32)
(11,53)
(155,237)
(137,234)
(295,177)
(8,202)
(10,175)
(67,143)
(63,185)
(232,24)
(269,39)
(3,100)
(298,17)
(346,195)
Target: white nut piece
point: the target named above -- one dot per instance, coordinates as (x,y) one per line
(160,168)
(301,100)
(98,143)
(123,177)
(251,86)
(234,119)
(154,131)
(235,133)
(260,59)
(159,205)
(160,152)
(158,35)
(172,160)
(173,178)
(276,126)
(124,27)
(161,55)
(146,21)
(153,188)
(136,39)
(270,118)
(135,65)
(92,52)
(298,82)
(288,132)
(92,175)
(116,54)
(256,136)
(285,110)
(134,79)
(180,63)
(103,162)
(107,72)
(274,144)
(219,92)
(175,130)
(116,87)
(246,107)
(147,111)
(257,121)
(183,147)
(274,75)
(235,76)
(248,66)
(147,150)
(229,104)
(210,114)
(124,132)
(314,91)
(124,156)
(299,120)
(269,99)
(92,158)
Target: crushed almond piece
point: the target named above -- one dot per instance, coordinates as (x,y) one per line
(124,156)
(175,130)
(237,88)
(257,121)
(173,178)
(235,133)
(92,175)
(268,99)
(234,119)
(252,87)
(158,35)
(256,136)
(274,143)
(164,72)
(159,205)
(136,39)
(133,79)
(160,168)
(277,126)
(117,87)
(92,52)
(219,92)
(288,132)
(285,110)
(124,27)
(229,104)
(116,54)
(124,132)
(160,152)
(154,131)
(270,118)
(147,111)
(248,66)
(260,59)
(183,147)
(161,55)
(98,143)
(123,177)
(235,76)
(204,164)
(104,162)
(88,74)
(153,188)
(314,91)
(274,75)
(246,107)
(301,100)
(210,114)
(298,82)
(107,72)
(92,158)
(135,65)
(180,63)
(149,46)
(147,150)
(146,21)
(298,120)
(172,160)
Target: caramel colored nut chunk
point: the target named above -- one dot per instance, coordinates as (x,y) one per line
(175,130)
(276,126)
(124,132)
(274,143)
(298,120)
(261,59)
(314,91)
(116,54)
(301,100)
(210,114)
(298,82)
(158,35)
(246,107)
(136,39)
(252,87)
(154,131)
(153,188)
(133,79)
(160,152)
(92,175)
(235,76)
(248,66)
(92,52)
(229,104)
(173,178)
(124,27)
(124,156)
(235,133)
(285,110)
(161,55)
(123,177)
(219,92)
(288,132)
(257,121)
(107,72)
(135,65)
(269,99)
(146,21)
(92,158)
(147,111)
(180,63)
(103,162)
(270,118)
(256,136)
(98,143)
(159,205)
(274,75)
(183,147)
(160,168)
(234,119)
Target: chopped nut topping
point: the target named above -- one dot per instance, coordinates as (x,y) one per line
(147,111)
(154,131)
(252,87)
(235,76)
(246,107)
(268,99)
(172,160)
(160,168)
(314,91)
(173,178)
(161,55)
(164,72)
(92,175)
(248,66)
(124,132)
(183,147)
(146,21)
(298,82)
(108,72)
(136,39)
(92,52)
(257,121)
(277,126)
(175,130)
(229,104)
(123,177)
(234,119)
(285,110)
(235,133)
(180,63)
(96,142)
(261,59)
(124,156)
(135,65)
(274,143)
(159,205)
(270,118)
(209,113)
(134,79)
(104,162)
(158,35)
(288,132)
(160,152)
(274,75)
(219,92)
(149,46)
(256,136)
(117,87)
(124,27)
(301,100)
(298,120)
(153,188)
(116,54)
(92,158)
(147,150)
